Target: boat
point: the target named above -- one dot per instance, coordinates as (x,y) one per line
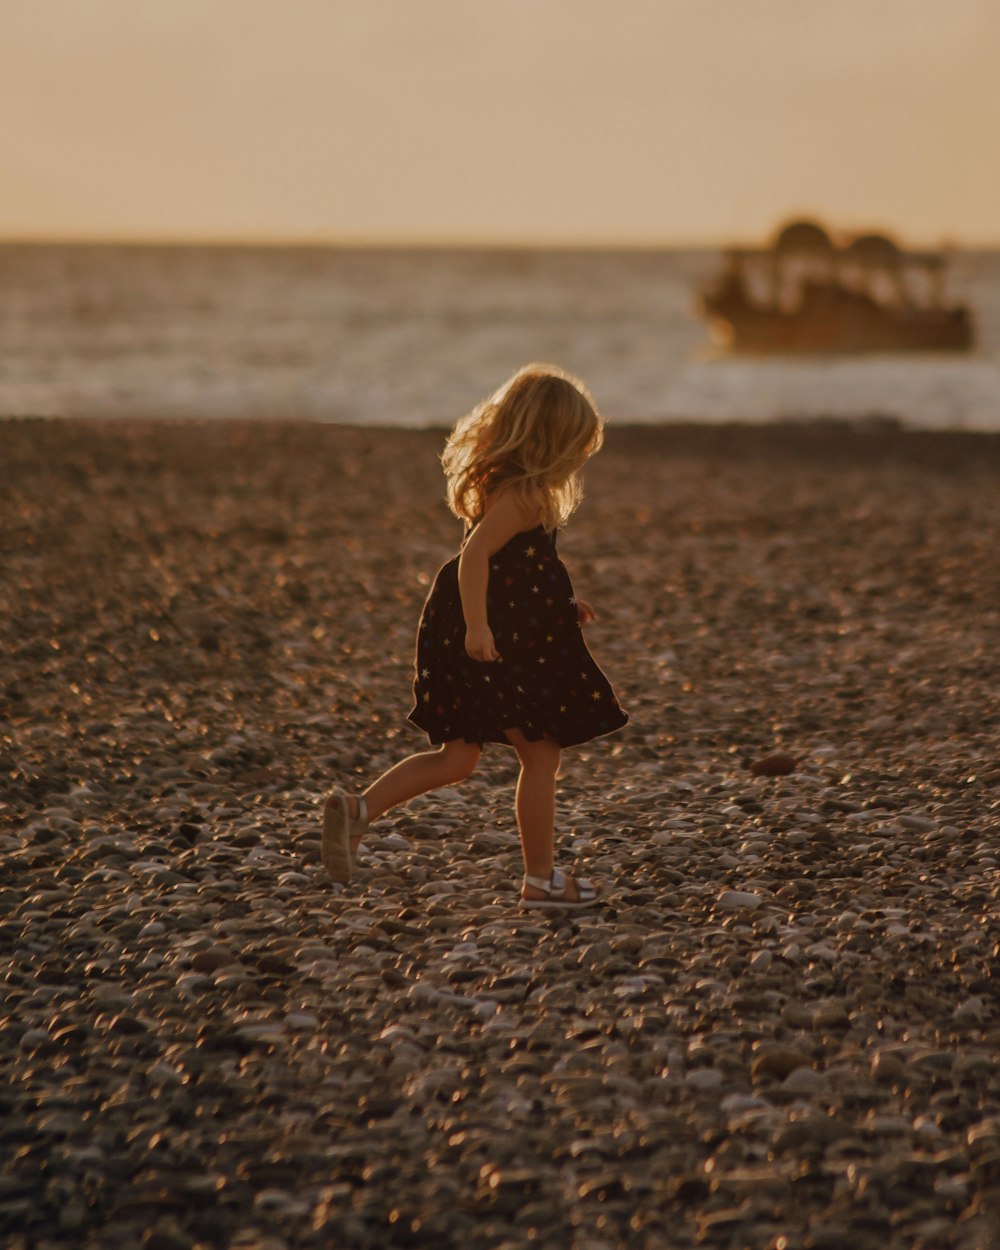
(812,293)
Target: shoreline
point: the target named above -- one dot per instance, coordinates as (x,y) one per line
(786,1011)
(809,426)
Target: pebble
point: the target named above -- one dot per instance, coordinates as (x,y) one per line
(738,900)
(886,1066)
(970,1013)
(703,1080)
(830,1015)
(779,765)
(916,824)
(301,1021)
(777,1060)
(804,1081)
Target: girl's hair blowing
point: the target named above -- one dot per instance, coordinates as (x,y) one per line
(532,437)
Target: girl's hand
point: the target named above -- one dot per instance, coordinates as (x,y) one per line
(479,644)
(585,614)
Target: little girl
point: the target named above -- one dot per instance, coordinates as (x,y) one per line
(500,650)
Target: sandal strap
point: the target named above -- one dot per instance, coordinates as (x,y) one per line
(586,891)
(548,884)
(362,811)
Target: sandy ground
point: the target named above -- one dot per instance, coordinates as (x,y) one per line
(780,1032)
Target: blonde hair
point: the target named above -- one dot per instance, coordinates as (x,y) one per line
(531,437)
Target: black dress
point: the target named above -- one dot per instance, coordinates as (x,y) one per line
(545,683)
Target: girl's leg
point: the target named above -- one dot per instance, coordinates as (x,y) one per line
(535,805)
(430,770)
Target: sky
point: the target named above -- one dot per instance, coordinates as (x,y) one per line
(572,122)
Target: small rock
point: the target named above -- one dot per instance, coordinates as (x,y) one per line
(166,1235)
(774,1060)
(301,1021)
(779,765)
(212,959)
(737,900)
(969,1013)
(797,1015)
(927,1131)
(887,1066)
(952,1190)
(830,1016)
(804,1081)
(917,824)
(704,1080)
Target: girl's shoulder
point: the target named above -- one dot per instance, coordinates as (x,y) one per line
(504,519)
(525,513)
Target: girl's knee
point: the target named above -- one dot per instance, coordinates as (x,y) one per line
(462,757)
(543,755)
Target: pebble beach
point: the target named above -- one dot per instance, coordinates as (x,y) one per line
(780,1032)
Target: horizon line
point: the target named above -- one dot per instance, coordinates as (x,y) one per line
(429,242)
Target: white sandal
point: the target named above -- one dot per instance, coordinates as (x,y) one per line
(555,893)
(339,826)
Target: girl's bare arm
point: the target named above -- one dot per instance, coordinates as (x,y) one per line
(504,518)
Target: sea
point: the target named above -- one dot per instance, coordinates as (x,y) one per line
(416,336)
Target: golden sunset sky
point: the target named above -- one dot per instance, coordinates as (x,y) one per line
(509,121)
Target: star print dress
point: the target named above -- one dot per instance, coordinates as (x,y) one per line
(546,682)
